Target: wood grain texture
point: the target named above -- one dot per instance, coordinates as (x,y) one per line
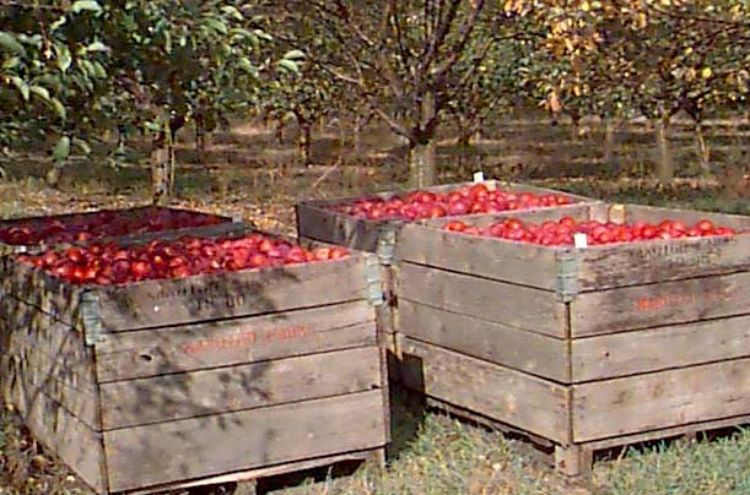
(53,359)
(483,298)
(244,293)
(606,267)
(73,442)
(199,393)
(513,262)
(320,224)
(507,396)
(193,448)
(643,306)
(654,349)
(495,342)
(128,355)
(664,399)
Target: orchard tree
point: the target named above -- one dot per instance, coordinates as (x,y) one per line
(407,60)
(656,57)
(79,68)
(53,76)
(309,95)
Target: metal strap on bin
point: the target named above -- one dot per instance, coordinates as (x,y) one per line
(387,243)
(91,319)
(566,283)
(374,280)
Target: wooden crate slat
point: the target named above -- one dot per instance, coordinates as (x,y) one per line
(76,444)
(156,303)
(529,265)
(483,298)
(322,225)
(652,401)
(223,443)
(52,359)
(268,383)
(527,402)
(606,267)
(643,306)
(517,349)
(128,355)
(655,349)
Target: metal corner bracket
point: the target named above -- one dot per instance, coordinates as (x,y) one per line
(566,280)
(91,319)
(374,280)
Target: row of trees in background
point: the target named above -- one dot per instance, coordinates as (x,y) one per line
(78,69)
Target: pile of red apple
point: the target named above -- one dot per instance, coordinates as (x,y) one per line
(111,264)
(477,198)
(561,233)
(99,225)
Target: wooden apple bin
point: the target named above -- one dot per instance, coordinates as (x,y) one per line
(579,349)
(167,384)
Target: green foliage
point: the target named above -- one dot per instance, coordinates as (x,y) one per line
(77,70)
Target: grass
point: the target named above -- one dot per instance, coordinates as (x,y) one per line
(432,454)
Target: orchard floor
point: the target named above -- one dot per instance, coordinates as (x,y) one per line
(432,454)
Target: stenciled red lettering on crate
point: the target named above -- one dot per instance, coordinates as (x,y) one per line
(675,300)
(247,338)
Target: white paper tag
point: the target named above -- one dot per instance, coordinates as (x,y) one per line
(478,177)
(580,240)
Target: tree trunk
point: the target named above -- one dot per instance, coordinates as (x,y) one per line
(702,151)
(422,151)
(304,141)
(358,120)
(609,143)
(162,162)
(665,161)
(422,164)
(53,174)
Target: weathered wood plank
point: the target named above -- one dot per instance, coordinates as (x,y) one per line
(245,293)
(605,267)
(508,396)
(498,259)
(52,359)
(317,223)
(199,393)
(660,348)
(643,306)
(483,298)
(168,452)
(264,472)
(664,399)
(691,429)
(76,444)
(495,342)
(128,355)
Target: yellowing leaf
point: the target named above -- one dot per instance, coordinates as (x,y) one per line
(706,73)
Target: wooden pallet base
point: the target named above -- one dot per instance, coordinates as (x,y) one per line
(248,479)
(576,460)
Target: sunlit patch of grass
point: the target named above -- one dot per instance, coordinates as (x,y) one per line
(719,467)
